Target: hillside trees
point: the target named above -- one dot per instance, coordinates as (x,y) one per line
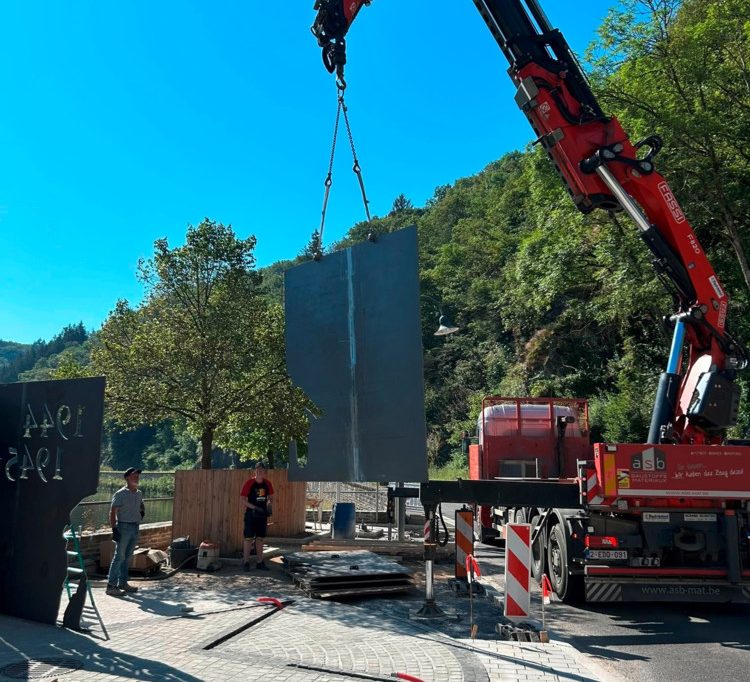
(204,347)
(38,361)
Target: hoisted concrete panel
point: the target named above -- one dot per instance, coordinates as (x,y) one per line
(354,345)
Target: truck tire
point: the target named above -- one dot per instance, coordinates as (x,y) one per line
(538,553)
(568,588)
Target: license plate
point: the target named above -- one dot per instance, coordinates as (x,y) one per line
(607,554)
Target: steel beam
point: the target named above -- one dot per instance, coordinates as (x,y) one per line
(507,492)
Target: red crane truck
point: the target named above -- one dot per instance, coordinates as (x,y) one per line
(664,520)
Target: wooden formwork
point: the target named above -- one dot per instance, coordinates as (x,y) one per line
(207,506)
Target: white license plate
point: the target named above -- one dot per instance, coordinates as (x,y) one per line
(607,554)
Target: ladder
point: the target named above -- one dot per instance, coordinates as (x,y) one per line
(77,573)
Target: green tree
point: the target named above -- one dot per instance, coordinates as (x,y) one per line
(401,203)
(314,248)
(204,347)
(72,363)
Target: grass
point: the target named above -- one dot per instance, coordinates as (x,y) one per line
(449,472)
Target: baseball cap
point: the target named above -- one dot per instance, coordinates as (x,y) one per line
(131,470)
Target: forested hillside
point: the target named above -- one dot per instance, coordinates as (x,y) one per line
(551,302)
(38,360)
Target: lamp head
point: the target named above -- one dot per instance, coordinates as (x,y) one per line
(445,327)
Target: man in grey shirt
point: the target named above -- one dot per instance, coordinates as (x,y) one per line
(125,516)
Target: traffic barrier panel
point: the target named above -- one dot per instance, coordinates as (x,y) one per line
(517,571)
(464,540)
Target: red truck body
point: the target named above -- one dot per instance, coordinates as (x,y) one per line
(657,522)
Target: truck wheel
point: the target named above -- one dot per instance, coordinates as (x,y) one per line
(568,588)
(537,554)
(487,536)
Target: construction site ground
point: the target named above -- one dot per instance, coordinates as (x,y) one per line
(210,626)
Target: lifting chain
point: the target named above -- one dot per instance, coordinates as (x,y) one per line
(341,87)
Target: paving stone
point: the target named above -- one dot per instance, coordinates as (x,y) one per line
(154,638)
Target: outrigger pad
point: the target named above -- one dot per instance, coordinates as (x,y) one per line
(354,345)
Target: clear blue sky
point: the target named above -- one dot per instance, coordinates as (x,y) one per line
(125,121)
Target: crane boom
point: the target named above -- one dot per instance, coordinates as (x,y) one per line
(697,399)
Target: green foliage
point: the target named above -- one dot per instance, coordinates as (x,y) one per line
(73,363)
(9,351)
(455,467)
(172,447)
(204,347)
(314,248)
(150,486)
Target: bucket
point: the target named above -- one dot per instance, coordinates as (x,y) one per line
(343,520)
(208,555)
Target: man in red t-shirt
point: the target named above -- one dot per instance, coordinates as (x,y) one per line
(256,497)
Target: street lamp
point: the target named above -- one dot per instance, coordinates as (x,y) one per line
(445,323)
(446,326)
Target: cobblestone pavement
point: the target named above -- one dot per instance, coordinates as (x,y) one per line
(197,626)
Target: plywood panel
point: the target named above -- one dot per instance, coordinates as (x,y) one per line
(207,506)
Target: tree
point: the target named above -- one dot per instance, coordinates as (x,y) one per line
(314,248)
(401,203)
(72,363)
(204,347)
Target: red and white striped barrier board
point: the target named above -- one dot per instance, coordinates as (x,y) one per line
(464,539)
(517,571)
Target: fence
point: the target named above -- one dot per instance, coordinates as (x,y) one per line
(368,498)
(93,515)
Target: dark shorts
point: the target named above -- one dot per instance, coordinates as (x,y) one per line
(255,526)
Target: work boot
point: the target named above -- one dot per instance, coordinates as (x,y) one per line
(114,591)
(246,566)
(128,588)
(261,566)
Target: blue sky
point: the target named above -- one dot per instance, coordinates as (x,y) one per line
(125,121)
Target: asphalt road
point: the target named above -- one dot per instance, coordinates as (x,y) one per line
(648,642)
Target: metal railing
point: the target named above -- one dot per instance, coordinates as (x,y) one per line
(94,515)
(367,497)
